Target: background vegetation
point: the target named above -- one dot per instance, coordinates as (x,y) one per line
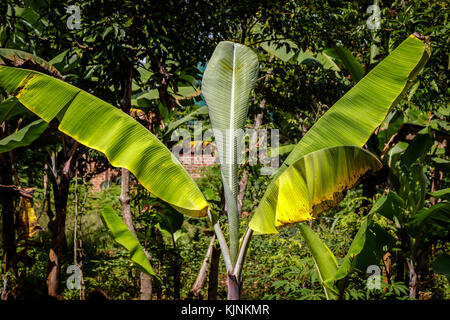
(166,45)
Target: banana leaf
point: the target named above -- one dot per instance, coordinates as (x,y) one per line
(345,58)
(124,237)
(103,127)
(367,249)
(24,136)
(226,85)
(352,120)
(324,259)
(317,181)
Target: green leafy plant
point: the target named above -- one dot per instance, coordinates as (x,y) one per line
(338,134)
(332,146)
(417,224)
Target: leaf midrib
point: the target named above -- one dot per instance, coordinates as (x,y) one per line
(231,130)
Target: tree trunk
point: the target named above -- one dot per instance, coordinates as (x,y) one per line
(7,203)
(58,229)
(146,286)
(125,200)
(77,243)
(125,103)
(57,224)
(213,280)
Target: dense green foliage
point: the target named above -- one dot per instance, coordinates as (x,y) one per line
(156,55)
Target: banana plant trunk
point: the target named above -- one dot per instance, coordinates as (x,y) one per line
(234,287)
(412,279)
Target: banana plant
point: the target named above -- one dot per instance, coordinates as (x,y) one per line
(352,120)
(101,126)
(124,237)
(328,159)
(417,225)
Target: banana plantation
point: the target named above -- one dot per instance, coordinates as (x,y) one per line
(224,150)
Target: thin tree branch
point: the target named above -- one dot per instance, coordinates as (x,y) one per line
(201,278)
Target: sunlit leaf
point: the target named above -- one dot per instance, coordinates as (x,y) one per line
(124,237)
(352,120)
(101,126)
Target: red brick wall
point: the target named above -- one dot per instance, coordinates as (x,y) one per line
(192,163)
(98,179)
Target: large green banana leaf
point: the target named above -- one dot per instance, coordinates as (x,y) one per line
(24,136)
(352,119)
(101,126)
(124,237)
(227,81)
(316,182)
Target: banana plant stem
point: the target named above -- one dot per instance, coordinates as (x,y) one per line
(223,244)
(237,270)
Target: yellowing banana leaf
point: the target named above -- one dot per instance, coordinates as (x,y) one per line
(352,120)
(24,136)
(28,224)
(102,127)
(316,182)
(124,237)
